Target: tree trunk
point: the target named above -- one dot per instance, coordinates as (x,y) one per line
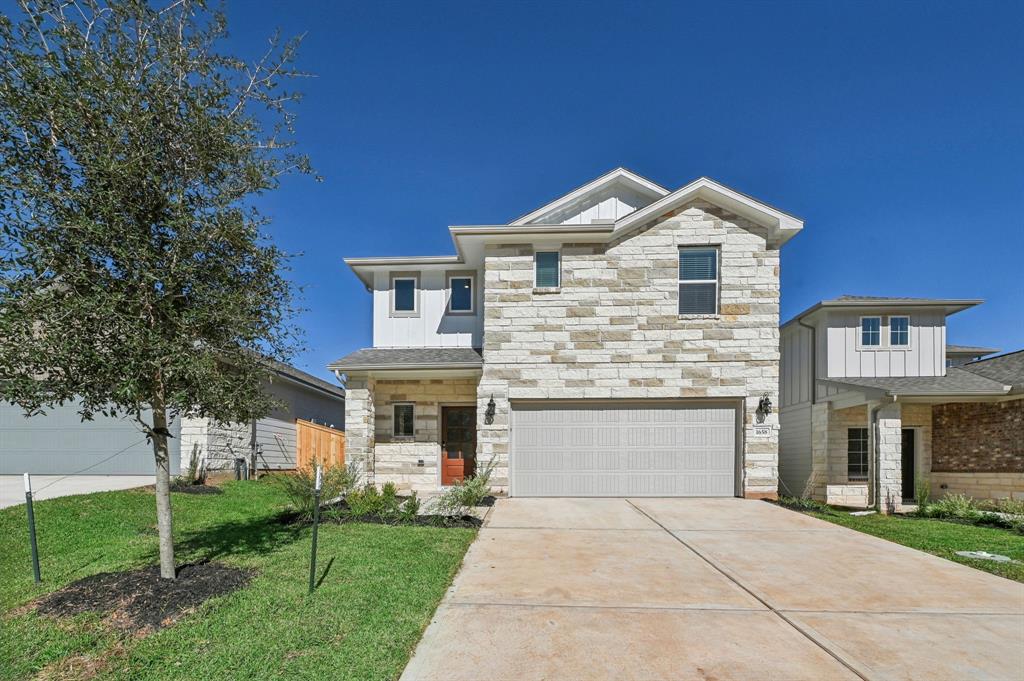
(163,491)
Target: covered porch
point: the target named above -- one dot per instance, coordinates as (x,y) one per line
(873,439)
(411,415)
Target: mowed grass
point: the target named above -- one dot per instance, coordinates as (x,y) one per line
(380,586)
(942,538)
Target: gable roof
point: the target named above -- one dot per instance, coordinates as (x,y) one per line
(1007,369)
(782,226)
(619,175)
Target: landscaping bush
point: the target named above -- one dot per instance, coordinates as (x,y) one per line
(195,474)
(959,506)
(466,494)
(299,486)
(370,504)
(806,504)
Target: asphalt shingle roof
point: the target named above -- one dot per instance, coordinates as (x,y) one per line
(412,358)
(955,382)
(1007,369)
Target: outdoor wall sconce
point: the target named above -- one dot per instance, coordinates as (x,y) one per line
(489,412)
(764,407)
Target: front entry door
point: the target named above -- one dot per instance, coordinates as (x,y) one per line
(458,443)
(908,464)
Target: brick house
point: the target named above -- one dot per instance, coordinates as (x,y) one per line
(621,340)
(871,407)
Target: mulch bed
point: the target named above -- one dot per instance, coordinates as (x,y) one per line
(197,489)
(338,513)
(139,600)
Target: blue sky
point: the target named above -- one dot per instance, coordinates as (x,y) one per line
(895,130)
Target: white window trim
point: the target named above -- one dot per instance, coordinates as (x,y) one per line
(860,333)
(472,293)
(716,281)
(394,421)
(556,251)
(415,312)
(903,346)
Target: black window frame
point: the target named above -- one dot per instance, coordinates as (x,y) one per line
(857,454)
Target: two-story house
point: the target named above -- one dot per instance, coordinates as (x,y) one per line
(870,408)
(622,339)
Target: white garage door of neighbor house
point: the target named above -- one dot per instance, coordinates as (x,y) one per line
(613,449)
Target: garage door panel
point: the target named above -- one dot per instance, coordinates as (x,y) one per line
(678,449)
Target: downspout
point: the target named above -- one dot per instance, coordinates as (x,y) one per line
(814,359)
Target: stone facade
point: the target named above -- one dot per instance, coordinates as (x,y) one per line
(612,330)
(360,424)
(414,463)
(829,449)
(979,437)
(219,444)
(979,485)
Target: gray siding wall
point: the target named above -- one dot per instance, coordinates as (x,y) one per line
(60,443)
(794,448)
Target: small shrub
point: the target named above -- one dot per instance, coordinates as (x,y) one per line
(806,504)
(1011,506)
(195,474)
(410,509)
(923,493)
(370,502)
(959,506)
(299,487)
(463,495)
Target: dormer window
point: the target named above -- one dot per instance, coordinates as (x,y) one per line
(405,295)
(870,331)
(899,332)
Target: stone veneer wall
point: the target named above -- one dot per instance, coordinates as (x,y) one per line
(397,459)
(219,443)
(979,437)
(979,485)
(612,331)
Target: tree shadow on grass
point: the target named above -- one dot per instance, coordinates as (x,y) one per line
(257,536)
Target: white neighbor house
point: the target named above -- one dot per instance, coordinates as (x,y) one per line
(871,406)
(621,340)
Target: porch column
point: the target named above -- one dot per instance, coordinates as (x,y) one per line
(360,418)
(889,457)
(818,481)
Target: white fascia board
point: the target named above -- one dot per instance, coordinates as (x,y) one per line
(783,225)
(365,267)
(618,174)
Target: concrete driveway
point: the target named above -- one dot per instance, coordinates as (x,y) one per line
(710,589)
(12,487)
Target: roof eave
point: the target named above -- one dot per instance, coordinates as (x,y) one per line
(615,173)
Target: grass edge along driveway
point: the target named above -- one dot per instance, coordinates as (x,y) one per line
(941,538)
(381,587)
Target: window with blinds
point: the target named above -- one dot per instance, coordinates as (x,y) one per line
(698,281)
(547,272)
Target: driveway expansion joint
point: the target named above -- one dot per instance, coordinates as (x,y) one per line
(841,659)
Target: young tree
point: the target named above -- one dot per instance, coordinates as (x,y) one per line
(133,276)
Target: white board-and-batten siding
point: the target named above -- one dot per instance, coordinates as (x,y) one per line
(926,355)
(433,326)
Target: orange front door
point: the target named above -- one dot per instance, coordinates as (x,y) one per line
(458,443)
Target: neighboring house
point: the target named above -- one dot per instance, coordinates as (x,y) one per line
(58,442)
(870,410)
(958,355)
(621,340)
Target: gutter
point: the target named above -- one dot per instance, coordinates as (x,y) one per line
(400,367)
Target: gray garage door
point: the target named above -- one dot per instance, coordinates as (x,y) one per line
(623,449)
(59,443)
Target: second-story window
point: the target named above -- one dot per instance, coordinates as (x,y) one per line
(547,269)
(698,281)
(870,331)
(404,296)
(899,331)
(460,296)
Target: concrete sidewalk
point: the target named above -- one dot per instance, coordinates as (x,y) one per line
(12,488)
(710,588)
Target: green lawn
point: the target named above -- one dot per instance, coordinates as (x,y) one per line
(363,622)
(942,538)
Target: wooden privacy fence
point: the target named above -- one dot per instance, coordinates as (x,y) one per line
(316,444)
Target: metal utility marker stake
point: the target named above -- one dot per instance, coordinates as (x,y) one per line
(32,528)
(316,521)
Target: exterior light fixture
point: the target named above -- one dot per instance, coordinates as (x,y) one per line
(764,407)
(489,412)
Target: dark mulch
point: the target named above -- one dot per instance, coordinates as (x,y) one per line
(139,600)
(339,513)
(196,489)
